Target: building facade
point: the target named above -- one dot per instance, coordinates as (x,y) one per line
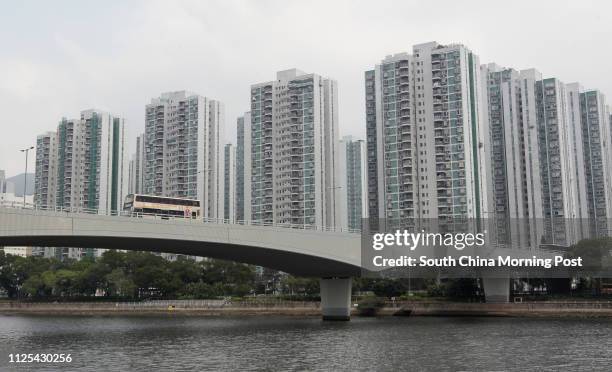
(424,133)
(558,199)
(83,166)
(548,158)
(229,183)
(513,148)
(183,149)
(45,175)
(243,168)
(137,162)
(294,153)
(597,141)
(448,138)
(353,182)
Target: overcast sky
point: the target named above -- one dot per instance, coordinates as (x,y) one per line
(59,57)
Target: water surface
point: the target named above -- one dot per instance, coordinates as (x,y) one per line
(290,343)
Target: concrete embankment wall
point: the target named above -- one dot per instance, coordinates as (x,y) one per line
(526,309)
(186,307)
(298,308)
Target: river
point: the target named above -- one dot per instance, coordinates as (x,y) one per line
(151,343)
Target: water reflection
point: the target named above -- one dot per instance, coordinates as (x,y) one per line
(290,343)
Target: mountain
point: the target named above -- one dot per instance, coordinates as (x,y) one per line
(18,182)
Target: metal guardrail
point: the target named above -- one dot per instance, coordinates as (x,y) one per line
(206,220)
(166,304)
(568,304)
(216,304)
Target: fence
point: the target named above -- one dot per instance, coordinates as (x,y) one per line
(161,305)
(33,207)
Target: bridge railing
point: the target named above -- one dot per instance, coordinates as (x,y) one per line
(207,220)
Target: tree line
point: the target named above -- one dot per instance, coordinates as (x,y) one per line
(123,275)
(142,275)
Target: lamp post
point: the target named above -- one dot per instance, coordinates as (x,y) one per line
(25,175)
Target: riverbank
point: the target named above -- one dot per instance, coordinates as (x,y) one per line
(305,309)
(550,309)
(177,307)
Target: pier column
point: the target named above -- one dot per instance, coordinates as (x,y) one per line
(497,290)
(336,298)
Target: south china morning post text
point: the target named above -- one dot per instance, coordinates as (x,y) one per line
(405,241)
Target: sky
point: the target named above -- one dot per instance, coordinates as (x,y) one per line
(60,57)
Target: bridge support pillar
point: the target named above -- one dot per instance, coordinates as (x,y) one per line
(497,290)
(336,298)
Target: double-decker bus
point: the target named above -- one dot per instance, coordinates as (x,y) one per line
(143,205)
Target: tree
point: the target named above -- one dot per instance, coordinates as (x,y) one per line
(92,279)
(34,286)
(304,287)
(133,274)
(389,287)
(119,284)
(113,259)
(7,275)
(49,280)
(188,271)
(462,288)
(66,282)
(596,260)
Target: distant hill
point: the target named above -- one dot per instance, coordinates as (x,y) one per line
(18,182)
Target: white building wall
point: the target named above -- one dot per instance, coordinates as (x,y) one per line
(243,168)
(45,180)
(75,167)
(597,142)
(183,149)
(433,156)
(578,177)
(295,117)
(532,156)
(229,183)
(353,182)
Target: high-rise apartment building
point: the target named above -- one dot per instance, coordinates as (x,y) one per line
(45,176)
(533,164)
(597,142)
(229,183)
(183,149)
(294,154)
(578,161)
(449,138)
(243,168)
(506,142)
(391,135)
(353,181)
(449,133)
(136,185)
(83,166)
(425,158)
(513,190)
(559,198)
(547,156)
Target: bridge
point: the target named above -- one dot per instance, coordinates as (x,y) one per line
(334,256)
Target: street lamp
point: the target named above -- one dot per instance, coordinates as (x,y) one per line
(25,176)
